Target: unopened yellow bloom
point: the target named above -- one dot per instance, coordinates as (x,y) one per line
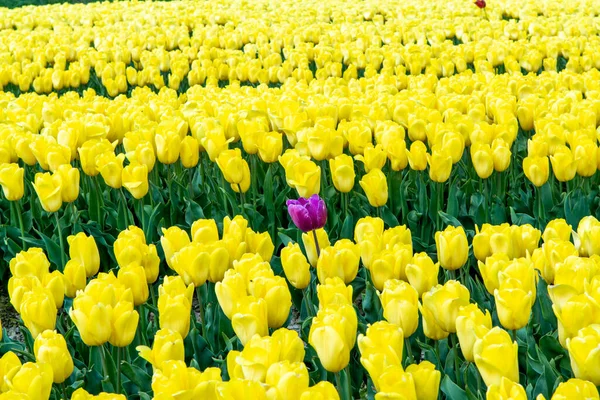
(514,306)
(168,145)
(168,345)
(175,305)
(339,260)
(133,276)
(400,303)
(390,264)
(250,318)
(323,391)
(205,231)
(111,168)
(445,301)
(483,159)
(374,157)
(334,292)
(495,355)
(576,389)
(270,145)
(506,390)
(11,180)
(10,364)
(471,324)
(563,164)
(34,380)
(135,179)
(38,310)
(395,382)
(295,266)
(381,347)
(342,172)
(83,248)
(48,188)
(426,378)
(375,187)
(536,169)
(309,244)
(440,166)
(51,348)
(417,156)
(584,355)
(189,152)
(422,273)
(172,240)
(305,177)
(557,229)
(332,335)
(501,154)
(452,247)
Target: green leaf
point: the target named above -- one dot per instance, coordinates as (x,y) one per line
(347,231)
(137,375)
(449,219)
(451,390)
(54,251)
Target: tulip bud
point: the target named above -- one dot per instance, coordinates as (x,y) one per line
(332,335)
(536,169)
(483,159)
(289,379)
(445,301)
(342,172)
(471,324)
(38,310)
(9,366)
(173,240)
(168,345)
(84,250)
(51,348)
(135,179)
(506,390)
(189,152)
(339,260)
(111,168)
(11,180)
(48,188)
(496,356)
(295,266)
(75,278)
(33,380)
(422,273)
(133,277)
(305,177)
(400,303)
(575,389)
(270,145)
(375,187)
(250,318)
(309,244)
(381,347)
(426,378)
(175,305)
(417,156)
(440,166)
(583,352)
(168,145)
(395,382)
(557,229)
(205,231)
(260,243)
(452,247)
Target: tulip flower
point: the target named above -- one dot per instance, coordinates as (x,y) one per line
(471,324)
(495,355)
(452,247)
(339,260)
(583,352)
(167,346)
(400,303)
(295,266)
(417,156)
(250,318)
(536,169)
(506,390)
(575,389)
(426,379)
(444,303)
(48,188)
(34,380)
(10,364)
(334,292)
(204,231)
(172,240)
(175,305)
(11,180)
(189,152)
(422,273)
(38,310)
(333,334)
(322,390)
(342,172)
(51,348)
(375,187)
(135,179)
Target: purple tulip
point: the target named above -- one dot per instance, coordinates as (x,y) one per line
(308,214)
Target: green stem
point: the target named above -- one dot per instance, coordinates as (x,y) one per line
(124,200)
(341,388)
(63,389)
(118,370)
(63,254)
(513,334)
(253,179)
(348,382)
(410,358)
(314,232)
(307,302)
(201,309)
(225,208)
(17,211)
(191,183)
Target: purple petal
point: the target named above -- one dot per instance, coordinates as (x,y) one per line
(301,217)
(318,211)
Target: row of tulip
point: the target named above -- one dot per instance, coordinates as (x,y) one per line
(120,309)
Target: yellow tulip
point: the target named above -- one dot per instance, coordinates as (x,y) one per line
(75,277)
(172,240)
(440,166)
(536,169)
(270,145)
(168,146)
(390,264)
(584,355)
(205,231)
(490,270)
(339,260)
(585,157)
(89,151)
(445,301)
(471,324)
(38,310)
(417,156)
(394,382)
(431,328)
(452,247)
(31,262)
(92,318)
(290,380)
(82,394)
(51,348)
(260,243)
(573,311)
(375,187)
(422,273)
(83,248)
(514,306)
(381,347)
(333,334)
(426,379)
(192,263)
(506,390)
(231,164)
(309,244)
(322,391)
(250,318)
(110,167)
(557,229)
(305,177)
(501,154)
(374,157)
(295,266)
(9,366)
(483,159)
(11,180)
(563,164)
(133,277)
(496,356)
(135,179)
(334,292)
(48,188)
(229,290)
(175,379)
(576,389)
(588,233)
(276,294)
(175,305)
(342,172)
(167,346)
(400,303)
(189,153)
(33,380)
(215,142)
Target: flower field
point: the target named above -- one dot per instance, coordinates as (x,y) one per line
(300,200)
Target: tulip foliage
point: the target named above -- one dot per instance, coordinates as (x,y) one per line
(296,200)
